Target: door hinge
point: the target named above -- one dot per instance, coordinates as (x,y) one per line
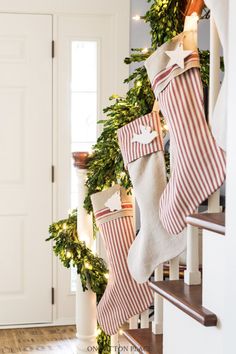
(53,49)
(53,296)
(53,174)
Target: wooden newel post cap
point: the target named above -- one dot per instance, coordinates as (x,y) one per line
(80,159)
(194,6)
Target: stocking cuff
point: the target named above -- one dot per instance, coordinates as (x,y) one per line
(141,137)
(111,204)
(159,72)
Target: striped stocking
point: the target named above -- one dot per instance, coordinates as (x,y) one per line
(123,297)
(144,157)
(199,164)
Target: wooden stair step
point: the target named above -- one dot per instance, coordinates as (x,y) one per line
(144,340)
(210,221)
(187,298)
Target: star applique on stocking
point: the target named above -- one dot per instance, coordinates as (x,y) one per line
(177,56)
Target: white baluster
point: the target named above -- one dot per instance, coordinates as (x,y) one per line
(133,322)
(145,319)
(114,343)
(157,323)
(214,200)
(192,275)
(86,321)
(174,268)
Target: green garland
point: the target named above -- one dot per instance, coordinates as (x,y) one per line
(91,268)
(105,165)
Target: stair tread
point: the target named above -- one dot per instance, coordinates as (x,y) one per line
(210,221)
(187,298)
(144,340)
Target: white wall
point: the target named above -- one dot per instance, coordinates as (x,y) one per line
(229,282)
(184,335)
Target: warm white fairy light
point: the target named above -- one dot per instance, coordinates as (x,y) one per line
(68,254)
(98,332)
(64,226)
(88,266)
(122,174)
(106,275)
(145,50)
(121,332)
(136,17)
(165,127)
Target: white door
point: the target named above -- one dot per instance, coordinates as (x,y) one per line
(25,168)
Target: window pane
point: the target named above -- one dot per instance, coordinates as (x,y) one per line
(83,116)
(84,66)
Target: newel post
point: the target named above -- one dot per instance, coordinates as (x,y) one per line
(86,319)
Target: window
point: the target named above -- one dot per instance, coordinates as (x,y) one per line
(83,101)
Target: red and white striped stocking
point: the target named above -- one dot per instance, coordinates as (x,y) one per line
(199,164)
(123,297)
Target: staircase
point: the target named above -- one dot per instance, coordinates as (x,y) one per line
(192,313)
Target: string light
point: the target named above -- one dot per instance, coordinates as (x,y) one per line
(121,332)
(88,266)
(145,50)
(122,174)
(106,276)
(98,332)
(68,254)
(139,83)
(136,17)
(64,226)
(165,127)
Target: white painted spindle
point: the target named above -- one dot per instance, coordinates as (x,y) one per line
(86,320)
(133,322)
(174,268)
(145,319)
(192,275)
(114,343)
(157,323)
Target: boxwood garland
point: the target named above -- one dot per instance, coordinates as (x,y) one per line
(105,167)
(92,269)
